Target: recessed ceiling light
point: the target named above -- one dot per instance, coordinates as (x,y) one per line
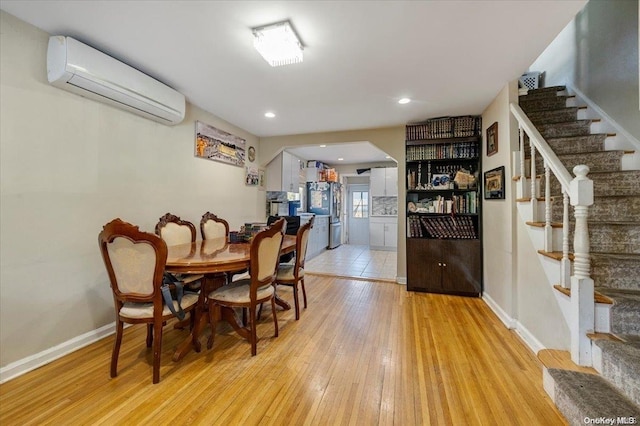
(387,156)
(323,146)
(340,159)
(269,114)
(404,101)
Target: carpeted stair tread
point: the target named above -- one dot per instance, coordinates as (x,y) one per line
(623,182)
(625,311)
(598,161)
(535,103)
(559,115)
(615,208)
(569,128)
(553,90)
(621,366)
(616,270)
(575,144)
(581,395)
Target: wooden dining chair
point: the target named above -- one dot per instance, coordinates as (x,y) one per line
(212,226)
(174,231)
(292,275)
(251,292)
(135,262)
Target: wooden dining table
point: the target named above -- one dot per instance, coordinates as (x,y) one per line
(212,258)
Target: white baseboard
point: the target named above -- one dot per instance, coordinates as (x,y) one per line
(509,322)
(20,367)
(529,339)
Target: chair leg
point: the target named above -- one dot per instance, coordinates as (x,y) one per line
(149,335)
(116,348)
(275,317)
(253,335)
(260,311)
(157,350)
(296,303)
(304,293)
(213,321)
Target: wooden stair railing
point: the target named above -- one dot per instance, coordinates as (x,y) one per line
(578,191)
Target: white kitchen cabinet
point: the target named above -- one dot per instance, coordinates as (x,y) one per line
(383,233)
(318,237)
(383,182)
(283,173)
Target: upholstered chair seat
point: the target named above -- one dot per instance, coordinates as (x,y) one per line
(145,310)
(287,272)
(240,292)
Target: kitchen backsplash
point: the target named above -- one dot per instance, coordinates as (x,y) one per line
(384,206)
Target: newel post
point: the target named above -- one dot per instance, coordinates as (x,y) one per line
(582,299)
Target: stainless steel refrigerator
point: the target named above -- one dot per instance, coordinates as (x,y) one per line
(325,198)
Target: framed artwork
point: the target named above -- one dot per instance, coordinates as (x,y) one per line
(262,183)
(494,188)
(252,177)
(492,139)
(217,145)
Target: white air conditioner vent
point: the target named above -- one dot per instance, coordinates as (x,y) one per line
(81,69)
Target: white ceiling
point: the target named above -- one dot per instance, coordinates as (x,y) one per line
(450,57)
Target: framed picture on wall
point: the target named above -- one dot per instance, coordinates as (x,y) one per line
(492,139)
(217,145)
(494,184)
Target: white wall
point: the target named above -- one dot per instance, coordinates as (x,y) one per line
(515,285)
(598,54)
(69,165)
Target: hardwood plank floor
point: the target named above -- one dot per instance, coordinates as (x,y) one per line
(363,353)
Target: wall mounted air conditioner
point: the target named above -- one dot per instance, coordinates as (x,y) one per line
(81,69)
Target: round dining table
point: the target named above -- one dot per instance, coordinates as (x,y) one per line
(212,258)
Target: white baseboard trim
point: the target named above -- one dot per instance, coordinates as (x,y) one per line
(20,367)
(529,339)
(509,322)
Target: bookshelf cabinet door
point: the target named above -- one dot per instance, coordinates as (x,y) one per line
(424,270)
(462,266)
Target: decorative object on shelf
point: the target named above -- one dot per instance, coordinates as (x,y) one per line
(492,139)
(217,145)
(494,188)
(251,154)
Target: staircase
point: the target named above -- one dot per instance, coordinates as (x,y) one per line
(612,390)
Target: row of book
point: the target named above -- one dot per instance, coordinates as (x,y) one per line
(448,127)
(443,151)
(459,227)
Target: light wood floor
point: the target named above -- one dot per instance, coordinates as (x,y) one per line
(363,353)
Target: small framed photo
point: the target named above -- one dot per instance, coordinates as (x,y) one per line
(492,139)
(494,184)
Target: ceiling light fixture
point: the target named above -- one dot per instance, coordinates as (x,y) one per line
(269,114)
(340,159)
(404,101)
(323,146)
(278,44)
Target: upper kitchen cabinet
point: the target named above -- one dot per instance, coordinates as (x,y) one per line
(383,182)
(283,173)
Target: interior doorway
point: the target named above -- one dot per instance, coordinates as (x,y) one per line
(358,214)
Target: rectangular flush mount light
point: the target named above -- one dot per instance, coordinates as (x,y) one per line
(278,44)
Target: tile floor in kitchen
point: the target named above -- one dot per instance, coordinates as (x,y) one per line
(355,261)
